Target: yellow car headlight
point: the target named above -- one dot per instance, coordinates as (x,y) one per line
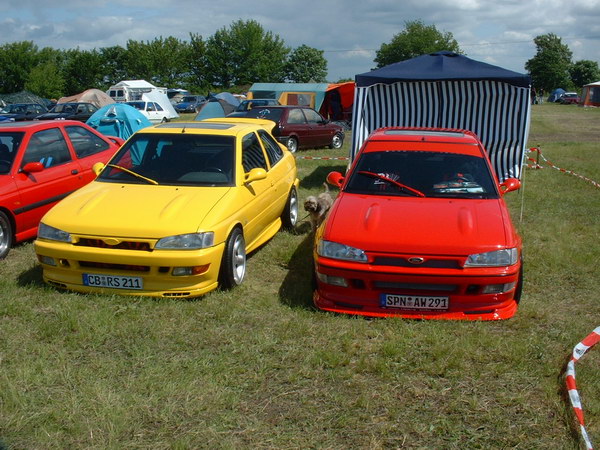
(191,241)
(53,234)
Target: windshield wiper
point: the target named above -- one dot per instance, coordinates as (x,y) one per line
(379,176)
(131,172)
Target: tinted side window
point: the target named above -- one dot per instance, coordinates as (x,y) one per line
(85,142)
(312,116)
(48,147)
(274,152)
(296,116)
(252,154)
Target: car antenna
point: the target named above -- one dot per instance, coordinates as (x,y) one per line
(183,130)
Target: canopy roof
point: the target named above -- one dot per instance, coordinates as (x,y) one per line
(440,66)
(446,90)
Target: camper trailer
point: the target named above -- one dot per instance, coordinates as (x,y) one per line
(132,90)
(140,91)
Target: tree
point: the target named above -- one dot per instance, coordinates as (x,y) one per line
(306,65)
(16,61)
(113,61)
(82,70)
(416,39)
(163,62)
(584,72)
(46,81)
(244,54)
(198,79)
(549,68)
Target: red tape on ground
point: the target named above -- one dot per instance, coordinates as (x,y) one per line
(341,158)
(536,165)
(592,339)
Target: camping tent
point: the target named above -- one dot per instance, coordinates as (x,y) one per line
(119,120)
(93,96)
(162,99)
(590,95)
(556,94)
(452,91)
(219,105)
(331,100)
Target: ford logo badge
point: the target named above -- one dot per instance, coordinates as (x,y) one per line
(416,260)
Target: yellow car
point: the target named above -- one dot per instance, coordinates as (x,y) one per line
(174,212)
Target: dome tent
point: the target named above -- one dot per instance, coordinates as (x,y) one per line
(119,120)
(94,96)
(448,90)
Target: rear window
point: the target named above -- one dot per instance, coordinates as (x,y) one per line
(273,114)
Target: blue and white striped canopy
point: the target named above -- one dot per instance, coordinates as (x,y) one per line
(449,91)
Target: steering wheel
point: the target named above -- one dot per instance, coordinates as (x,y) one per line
(213,169)
(5,162)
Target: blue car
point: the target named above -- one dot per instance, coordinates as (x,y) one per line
(190,103)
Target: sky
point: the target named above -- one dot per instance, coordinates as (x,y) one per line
(348,31)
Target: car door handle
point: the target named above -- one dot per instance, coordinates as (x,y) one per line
(74,172)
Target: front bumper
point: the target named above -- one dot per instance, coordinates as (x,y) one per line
(154,267)
(464,292)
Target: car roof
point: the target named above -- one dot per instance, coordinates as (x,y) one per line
(227,126)
(424,139)
(33,124)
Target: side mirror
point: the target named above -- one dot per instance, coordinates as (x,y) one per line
(97,168)
(255,174)
(33,167)
(335,179)
(509,185)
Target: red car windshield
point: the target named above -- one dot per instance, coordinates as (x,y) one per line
(422,174)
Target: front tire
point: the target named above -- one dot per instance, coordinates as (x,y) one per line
(289,217)
(292,144)
(6,235)
(337,141)
(233,266)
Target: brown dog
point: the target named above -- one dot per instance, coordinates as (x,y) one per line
(318,206)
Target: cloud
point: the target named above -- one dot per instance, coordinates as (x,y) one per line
(349,31)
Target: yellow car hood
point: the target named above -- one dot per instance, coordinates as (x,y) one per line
(141,211)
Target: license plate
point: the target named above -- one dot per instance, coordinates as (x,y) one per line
(112,281)
(415,302)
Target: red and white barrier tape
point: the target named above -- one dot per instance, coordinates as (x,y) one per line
(536,165)
(592,339)
(341,158)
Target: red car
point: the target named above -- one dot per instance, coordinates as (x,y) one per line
(42,162)
(419,230)
(300,127)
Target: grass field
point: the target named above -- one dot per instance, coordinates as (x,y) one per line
(259,367)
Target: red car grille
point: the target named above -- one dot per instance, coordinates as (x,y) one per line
(382,285)
(125,245)
(127,267)
(427,263)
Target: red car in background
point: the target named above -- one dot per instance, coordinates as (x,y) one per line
(419,230)
(299,127)
(41,162)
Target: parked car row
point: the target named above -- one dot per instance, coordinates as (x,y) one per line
(419,229)
(17,112)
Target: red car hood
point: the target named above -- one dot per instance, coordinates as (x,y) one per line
(419,225)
